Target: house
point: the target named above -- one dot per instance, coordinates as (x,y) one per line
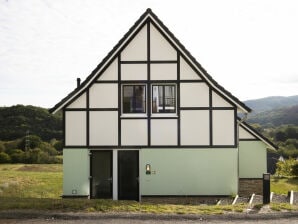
(149,121)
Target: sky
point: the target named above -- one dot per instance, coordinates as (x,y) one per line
(249,47)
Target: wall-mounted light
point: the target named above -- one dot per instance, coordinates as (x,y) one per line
(148,169)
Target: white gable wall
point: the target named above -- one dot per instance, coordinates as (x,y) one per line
(111,73)
(218,101)
(223,127)
(133,71)
(136,50)
(164,132)
(243,134)
(194,95)
(80,102)
(103,128)
(103,95)
(186,72)
(134,132)
(160,47)
(195,127)
(192,125)
(75,128)
(163,71)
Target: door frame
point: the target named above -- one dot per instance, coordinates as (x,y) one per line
(111,168)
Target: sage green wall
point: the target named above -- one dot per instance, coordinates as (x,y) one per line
(189,171)
(76,172)
(252,159)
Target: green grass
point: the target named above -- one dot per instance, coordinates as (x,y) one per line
(39,187)
(31,181)
(283,185)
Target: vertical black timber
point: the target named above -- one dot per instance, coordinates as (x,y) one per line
(119,100)
(87,119)
(235,128)
(210,117)
(178,100)
(64,125)
(148,85)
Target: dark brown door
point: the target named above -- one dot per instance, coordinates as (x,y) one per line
(101,173)
(128,175)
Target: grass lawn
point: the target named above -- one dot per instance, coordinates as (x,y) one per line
(31,181)
(283,185)
(39,187)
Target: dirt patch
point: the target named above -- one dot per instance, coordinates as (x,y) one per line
(39,168)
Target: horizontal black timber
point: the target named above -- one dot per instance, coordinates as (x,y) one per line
(75,109)
(150,62)
(249,140)
(91,109)
(106,81)
(191,80)
(103,109)
(151,147)
(207,108)
(174,81)
(133,118)
(160,118)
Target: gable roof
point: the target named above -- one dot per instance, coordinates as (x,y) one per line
(149,15)
(257,134)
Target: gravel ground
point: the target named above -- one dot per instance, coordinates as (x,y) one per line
(26,217)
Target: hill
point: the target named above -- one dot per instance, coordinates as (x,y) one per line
(276,117)
(17,120)
(271,103)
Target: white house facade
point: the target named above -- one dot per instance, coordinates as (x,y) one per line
(151,122)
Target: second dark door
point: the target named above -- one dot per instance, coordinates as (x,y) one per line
(128,175)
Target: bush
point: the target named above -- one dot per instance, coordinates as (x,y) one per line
(4,157)
(295,169)
(286,168)
(17,156)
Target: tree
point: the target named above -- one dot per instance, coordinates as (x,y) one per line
(17,156)
(2,147)
(4,157)
(33,141)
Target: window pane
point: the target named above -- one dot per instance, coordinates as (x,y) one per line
(134,99)
(163,99)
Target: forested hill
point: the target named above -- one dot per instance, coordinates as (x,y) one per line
(276,117)
(15,121)
(274,111)
(271,103)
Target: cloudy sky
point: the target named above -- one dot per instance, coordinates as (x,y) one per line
(249,47)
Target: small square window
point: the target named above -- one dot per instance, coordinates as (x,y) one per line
(134,99)
(163,99)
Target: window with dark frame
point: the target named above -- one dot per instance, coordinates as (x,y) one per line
(133,99)
(163,98)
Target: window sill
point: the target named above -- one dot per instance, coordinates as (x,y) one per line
(133,115)
(164,115)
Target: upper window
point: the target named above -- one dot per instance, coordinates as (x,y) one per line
(134,99)
(163,99)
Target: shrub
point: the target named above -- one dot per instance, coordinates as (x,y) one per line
(286,168)
(295,169)
(4,157)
